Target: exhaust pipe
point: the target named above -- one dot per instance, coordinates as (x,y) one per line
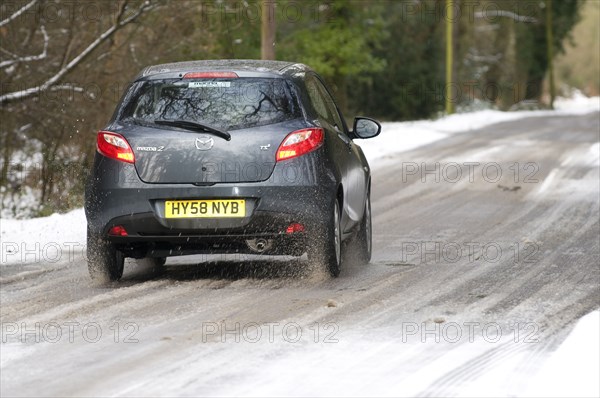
(259,245)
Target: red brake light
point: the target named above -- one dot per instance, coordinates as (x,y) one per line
(117,230)
(294,227)
(114,146)
(300,142)
(210,75)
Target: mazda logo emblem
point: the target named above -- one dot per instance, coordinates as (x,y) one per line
(204,143)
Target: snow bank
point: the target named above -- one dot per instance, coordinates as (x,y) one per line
(573,369)
(578,104)
(399,137)
(46,239)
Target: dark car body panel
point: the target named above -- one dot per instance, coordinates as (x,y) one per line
(297,190)
(226,161)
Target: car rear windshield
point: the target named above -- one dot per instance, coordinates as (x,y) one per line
(224,103)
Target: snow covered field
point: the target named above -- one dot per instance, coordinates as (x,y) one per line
(362,367)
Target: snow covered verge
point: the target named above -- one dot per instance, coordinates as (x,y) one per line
(52,239)
(403,136)
(573,368)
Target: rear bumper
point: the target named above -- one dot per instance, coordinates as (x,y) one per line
(158,242)
(147,235)
(270,208)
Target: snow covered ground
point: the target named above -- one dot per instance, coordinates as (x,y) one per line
(52,239)
(363,367)
(577,360)
(60,238)
(404,136)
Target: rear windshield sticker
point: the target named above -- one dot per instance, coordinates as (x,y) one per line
(209,84)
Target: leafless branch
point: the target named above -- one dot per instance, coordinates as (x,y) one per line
(16,14)
(119,23)
(71,87)
(504,13)
(42,55)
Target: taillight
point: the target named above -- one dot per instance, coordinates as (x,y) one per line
(117,230)
(210,75)
(294,227)
(114,146)
(300,142)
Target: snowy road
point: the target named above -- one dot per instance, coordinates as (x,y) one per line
(486,252)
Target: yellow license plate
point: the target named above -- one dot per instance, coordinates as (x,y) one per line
(205,208)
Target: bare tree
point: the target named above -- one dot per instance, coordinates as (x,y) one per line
(122,19)
(43,115)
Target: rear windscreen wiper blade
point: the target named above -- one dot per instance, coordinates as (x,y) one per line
(189,125)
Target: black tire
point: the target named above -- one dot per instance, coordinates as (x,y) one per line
(325,248)
(105,262)
(364,237)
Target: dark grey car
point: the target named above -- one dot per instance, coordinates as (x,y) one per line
(227,157)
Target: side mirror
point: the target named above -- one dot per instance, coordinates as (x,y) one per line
(365,127)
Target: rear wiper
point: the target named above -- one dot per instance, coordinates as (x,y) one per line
(189,125)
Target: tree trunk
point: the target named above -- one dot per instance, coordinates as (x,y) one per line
(268,30)
(550,44)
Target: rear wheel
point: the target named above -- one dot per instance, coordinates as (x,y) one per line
(364,238)
(105,262)
(326,247)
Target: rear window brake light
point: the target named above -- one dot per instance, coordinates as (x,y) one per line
(210,75)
